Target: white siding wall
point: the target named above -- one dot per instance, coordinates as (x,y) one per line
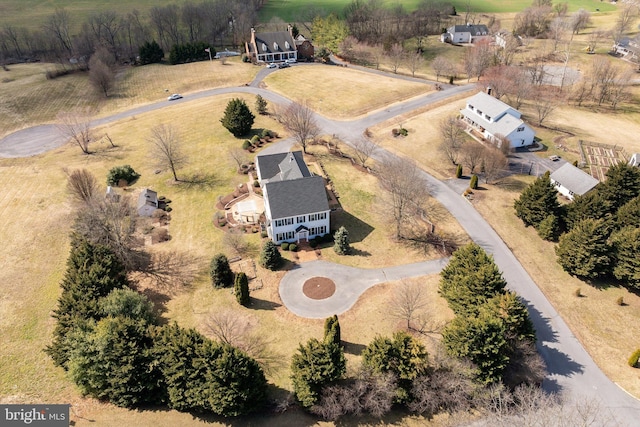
(287,232)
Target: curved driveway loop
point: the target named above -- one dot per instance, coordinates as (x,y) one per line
(350,283)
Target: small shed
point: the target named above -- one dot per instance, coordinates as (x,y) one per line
(147,202)
(571,181)
(635,160)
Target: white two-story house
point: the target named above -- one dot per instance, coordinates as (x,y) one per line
(493,118)
(295,201)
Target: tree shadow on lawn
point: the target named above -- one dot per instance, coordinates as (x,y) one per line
(358,229)
(198,181)
(261,304)
(353,348)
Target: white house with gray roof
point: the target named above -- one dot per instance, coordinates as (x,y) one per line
(492,118)
(468,33)
(295,201)
(571,181)
(147,202)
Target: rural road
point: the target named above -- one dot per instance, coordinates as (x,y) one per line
(570,367)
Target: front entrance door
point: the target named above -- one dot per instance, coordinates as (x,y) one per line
(303,235)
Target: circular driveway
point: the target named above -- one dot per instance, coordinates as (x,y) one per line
(350,283)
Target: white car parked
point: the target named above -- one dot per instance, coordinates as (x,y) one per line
(271,65)
(291,61)
(174,97)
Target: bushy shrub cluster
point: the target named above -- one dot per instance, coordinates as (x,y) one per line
(121,173)
(190,52)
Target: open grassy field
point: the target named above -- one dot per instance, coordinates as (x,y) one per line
(30,99)
(346,94)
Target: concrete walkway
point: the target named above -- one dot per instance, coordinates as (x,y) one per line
(350,283)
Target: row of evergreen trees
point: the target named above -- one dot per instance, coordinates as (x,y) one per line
(151,52)
(110,340)
(598,233)
(492,328)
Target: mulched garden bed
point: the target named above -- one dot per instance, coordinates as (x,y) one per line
(319,288)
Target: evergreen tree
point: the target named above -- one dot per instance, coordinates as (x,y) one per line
(203,376)
(469,279)
(621,186)
(583,251)
(332,330)
(237,118)
(459,171)
(121,173)
(589,206)
(261,105)
(220,272)
(481,340)
(628,214)
(128,303)
(510,309)
(473,183)
(341,244)
(403,356)
(113,361)
(270,257)
(93,271)
(548,228)
(241,289)
(537,202)
(626,247)
(313,366)
(150,52)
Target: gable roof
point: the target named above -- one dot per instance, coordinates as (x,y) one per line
(574,179)
(282,166)
(148,197)
(475,30)
(494,108)
(635,160)
(296,197)
(276,42)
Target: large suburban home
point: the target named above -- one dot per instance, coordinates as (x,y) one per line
(147,202)
(271,47)
(493,119)
(295,201)
(468,33)
(571,181)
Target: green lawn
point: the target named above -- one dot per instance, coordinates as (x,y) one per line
(33,13)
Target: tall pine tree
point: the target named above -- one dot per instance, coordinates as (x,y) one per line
(583,251)
(537,202)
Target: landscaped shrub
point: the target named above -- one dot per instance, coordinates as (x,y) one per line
(237,118)
(270,257)
(255,139)
(220,272)
(285,246)
(265,133)
(241,289)
(620,301)
(256,183)
(578,292)
(313,243)
(459,171)
(246,144)
(121,173)
(293,247)
(264,234)
(633,360)
(473,184)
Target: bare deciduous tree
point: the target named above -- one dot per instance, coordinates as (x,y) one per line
(414,61)
(452,134)
(494,163)
(300,120)
(237,242)
(579,21)
(544,103)
(626,17)
(82,185)
(396,56)
(364,149)
(238,330)
(406,190)
(170,270)
(166,149)
(101,76)
(446,388)
(407,304)
(76,127)
(442,66)
(239,156)
(471,156)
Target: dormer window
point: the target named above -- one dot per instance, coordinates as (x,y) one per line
(264,47)
(286,45)
(275,46)
(520,129)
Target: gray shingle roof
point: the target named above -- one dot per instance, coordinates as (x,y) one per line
(296,197)
(265,42)
(475,30)
(574,179)
(494,108)
(148,197)
(290,163)
(488,104)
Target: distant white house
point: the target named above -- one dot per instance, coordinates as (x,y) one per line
(468,33)
(147,202)
(492,118)
(295,201)
(571,181)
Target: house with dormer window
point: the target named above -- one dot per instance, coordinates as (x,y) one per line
(296,206)
(493,118)
(271,47)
